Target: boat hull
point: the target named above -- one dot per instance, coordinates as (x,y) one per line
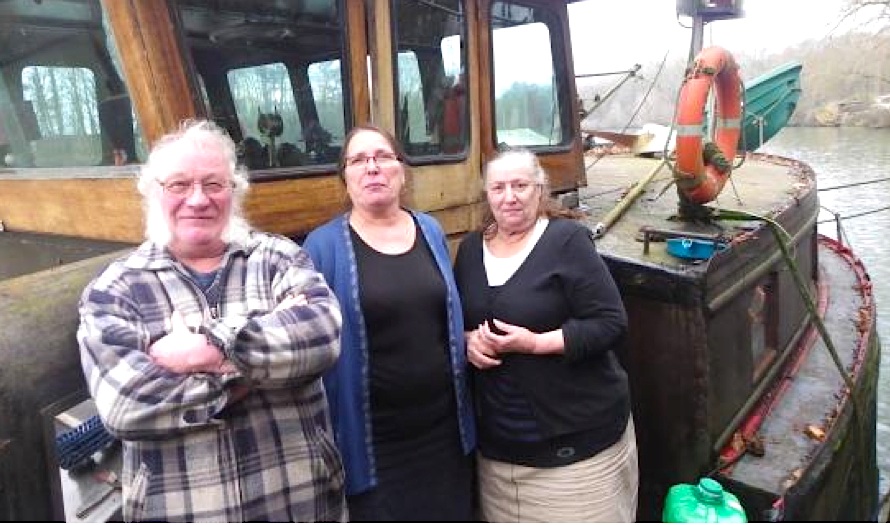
(39,372)
(708,339)
(818,439)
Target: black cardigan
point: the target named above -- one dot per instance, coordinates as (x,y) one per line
(563,283)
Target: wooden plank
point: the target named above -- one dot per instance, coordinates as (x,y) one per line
(383,103)
(98,208)
(358,61)
(484,85)
(443,185)
(151,52)
(294,206)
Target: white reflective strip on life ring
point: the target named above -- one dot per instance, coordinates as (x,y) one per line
(728,123)
(689,130)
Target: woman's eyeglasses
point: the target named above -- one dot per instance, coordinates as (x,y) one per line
(182,188)
(381,158)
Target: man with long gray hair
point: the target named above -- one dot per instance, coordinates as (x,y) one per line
(204,348)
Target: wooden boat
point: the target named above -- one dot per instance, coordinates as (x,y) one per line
(86,86)
(725,362)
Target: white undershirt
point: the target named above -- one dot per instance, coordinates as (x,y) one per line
(500,269)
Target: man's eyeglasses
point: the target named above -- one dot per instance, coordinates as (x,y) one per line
(517,186)
(382,158)
(182,188)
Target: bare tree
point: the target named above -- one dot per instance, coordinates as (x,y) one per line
(875,13)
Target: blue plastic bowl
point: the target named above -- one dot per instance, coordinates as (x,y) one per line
(686,248)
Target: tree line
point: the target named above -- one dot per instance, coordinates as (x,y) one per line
(841,78)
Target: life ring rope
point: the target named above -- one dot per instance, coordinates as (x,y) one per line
(702,167)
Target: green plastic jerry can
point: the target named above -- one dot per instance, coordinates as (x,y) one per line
(706,502)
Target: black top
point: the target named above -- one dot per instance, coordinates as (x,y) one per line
(580,401)
(403,300)
(423,473)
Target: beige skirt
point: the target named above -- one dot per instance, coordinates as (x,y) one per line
(602,488)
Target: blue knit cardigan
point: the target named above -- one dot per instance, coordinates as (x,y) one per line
(347,384)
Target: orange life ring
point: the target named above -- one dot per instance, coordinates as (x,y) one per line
(701,179)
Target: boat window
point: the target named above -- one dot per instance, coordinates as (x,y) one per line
(63,101)
(271,74)
(433,109)
(529,104)
(763,320)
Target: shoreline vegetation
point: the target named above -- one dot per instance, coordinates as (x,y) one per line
(845,81)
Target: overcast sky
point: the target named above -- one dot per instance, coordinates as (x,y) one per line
(614,35)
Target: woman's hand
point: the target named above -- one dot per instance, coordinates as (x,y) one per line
(512,338)
(480,354)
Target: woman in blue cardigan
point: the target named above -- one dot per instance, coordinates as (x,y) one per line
(400,406)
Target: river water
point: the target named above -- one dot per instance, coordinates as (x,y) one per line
(841,156)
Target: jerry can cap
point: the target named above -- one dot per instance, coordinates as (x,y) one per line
(710,489)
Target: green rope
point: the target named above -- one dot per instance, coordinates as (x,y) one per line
(714,156)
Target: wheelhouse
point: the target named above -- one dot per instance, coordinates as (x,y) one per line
(86,86)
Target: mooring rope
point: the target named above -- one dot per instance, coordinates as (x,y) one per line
(852,184)
(854,215)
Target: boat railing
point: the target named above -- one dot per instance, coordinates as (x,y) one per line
(838,218)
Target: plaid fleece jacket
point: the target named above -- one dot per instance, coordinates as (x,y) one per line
(188,457)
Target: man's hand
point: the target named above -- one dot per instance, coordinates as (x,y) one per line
(184,352)
(292,300)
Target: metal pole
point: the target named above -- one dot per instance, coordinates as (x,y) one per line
(698,34)
(837,224)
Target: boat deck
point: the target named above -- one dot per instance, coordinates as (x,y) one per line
(763,185)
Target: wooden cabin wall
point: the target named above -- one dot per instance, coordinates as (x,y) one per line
(359,90)
(92,207)
(101,202)
(564,169)
(451,192)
